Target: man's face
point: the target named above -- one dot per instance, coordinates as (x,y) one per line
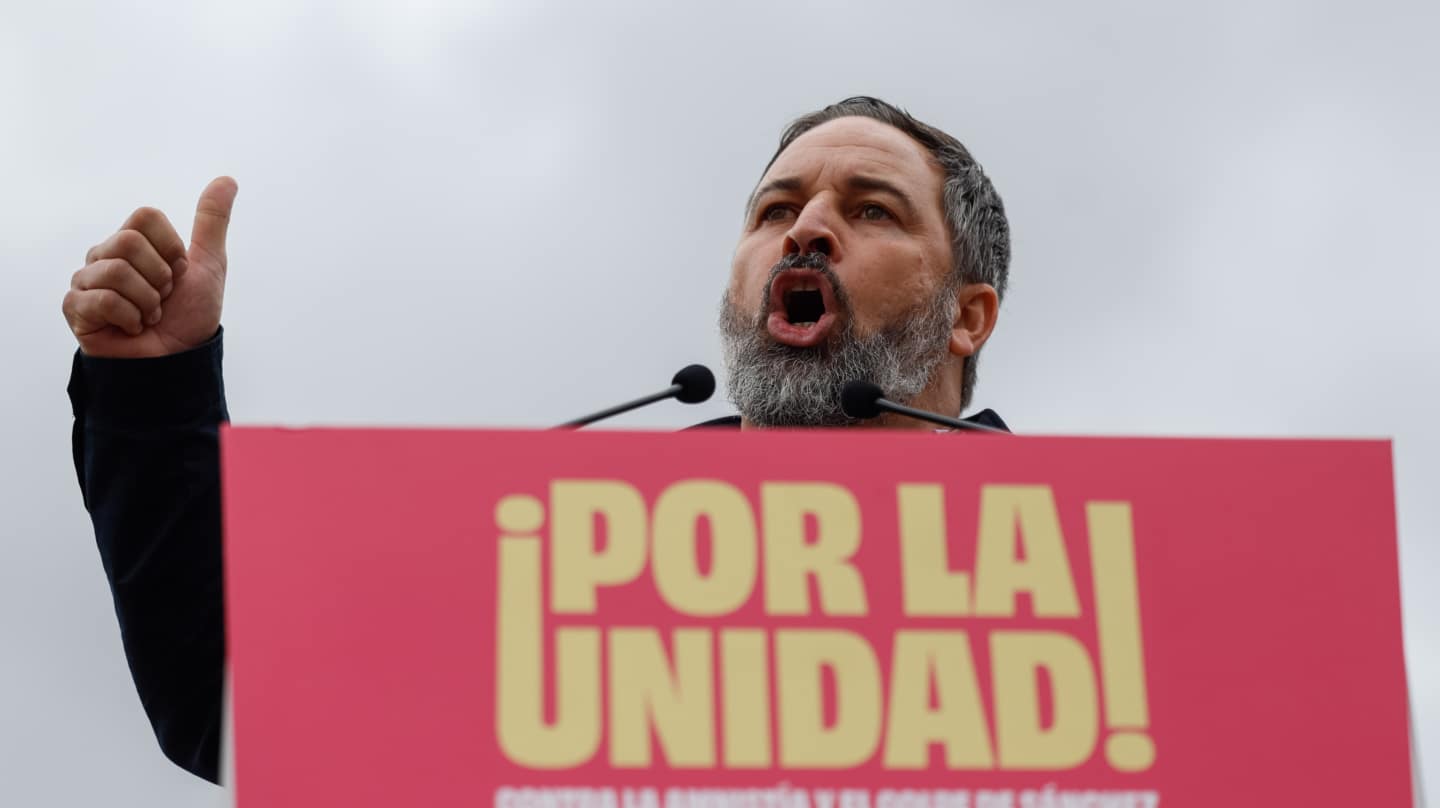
(877,305)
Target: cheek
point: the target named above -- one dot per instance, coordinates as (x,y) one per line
(748,272)
(872,305)
(882,300)
(739,283)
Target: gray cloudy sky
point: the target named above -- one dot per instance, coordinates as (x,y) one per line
(487,214)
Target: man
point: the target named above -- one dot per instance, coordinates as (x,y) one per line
(874,247)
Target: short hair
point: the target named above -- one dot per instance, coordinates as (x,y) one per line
(974,214)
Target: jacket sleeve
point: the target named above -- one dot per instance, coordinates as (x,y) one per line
(146,449)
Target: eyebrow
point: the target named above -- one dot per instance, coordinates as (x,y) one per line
(781,184)
(859,182)
(863,183)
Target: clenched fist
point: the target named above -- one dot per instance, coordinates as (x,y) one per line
(142,293)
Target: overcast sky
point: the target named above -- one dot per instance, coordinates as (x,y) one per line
(508,214)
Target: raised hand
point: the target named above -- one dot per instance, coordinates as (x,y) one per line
(143,293)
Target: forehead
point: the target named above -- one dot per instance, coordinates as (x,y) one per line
(859,145)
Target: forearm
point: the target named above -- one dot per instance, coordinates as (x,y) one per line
(147,457)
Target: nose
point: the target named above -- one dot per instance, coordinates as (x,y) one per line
(812,233)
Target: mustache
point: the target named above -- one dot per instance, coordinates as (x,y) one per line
(817,262)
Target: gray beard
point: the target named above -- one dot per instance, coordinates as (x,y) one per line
(776,385)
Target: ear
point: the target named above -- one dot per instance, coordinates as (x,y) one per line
(974,318)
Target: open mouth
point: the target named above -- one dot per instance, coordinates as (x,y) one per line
(802,308)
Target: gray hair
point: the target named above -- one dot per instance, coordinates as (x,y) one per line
(777,385)
(974,214)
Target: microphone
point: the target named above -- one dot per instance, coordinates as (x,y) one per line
(691,385)
(862,399)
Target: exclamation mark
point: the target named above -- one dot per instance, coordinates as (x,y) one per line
(527,737)
(1117,609)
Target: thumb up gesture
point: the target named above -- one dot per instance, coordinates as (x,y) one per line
(142,292)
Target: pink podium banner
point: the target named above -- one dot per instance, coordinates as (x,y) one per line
(835,619)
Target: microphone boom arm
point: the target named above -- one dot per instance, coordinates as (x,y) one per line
(934,417)
(619,408)
(691,385)
(863,399)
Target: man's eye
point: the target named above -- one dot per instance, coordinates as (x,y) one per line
(775,213)
(874,212)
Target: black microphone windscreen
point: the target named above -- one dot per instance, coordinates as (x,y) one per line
(696,382)
(857,399)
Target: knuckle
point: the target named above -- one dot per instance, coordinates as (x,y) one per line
(156,274)
(84,308)
(111,303)
(111,271)
(90,275)
(129,241)
(145,214)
